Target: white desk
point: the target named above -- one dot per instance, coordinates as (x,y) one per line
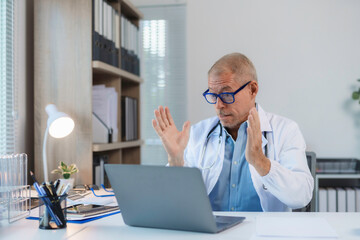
(347,225)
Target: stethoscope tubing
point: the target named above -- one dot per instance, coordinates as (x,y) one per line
(219,145)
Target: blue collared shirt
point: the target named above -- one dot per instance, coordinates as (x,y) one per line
(234,190)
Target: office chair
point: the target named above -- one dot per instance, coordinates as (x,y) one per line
(311,160)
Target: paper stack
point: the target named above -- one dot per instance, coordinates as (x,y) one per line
(105,107)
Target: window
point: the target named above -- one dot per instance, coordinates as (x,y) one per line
(163,67)
(7,136)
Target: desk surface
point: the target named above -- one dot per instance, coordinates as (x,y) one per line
(347,226)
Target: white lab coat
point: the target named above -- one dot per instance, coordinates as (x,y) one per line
(289,183)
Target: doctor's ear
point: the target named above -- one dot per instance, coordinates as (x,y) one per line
(254,88)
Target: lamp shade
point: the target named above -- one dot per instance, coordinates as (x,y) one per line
(60,124)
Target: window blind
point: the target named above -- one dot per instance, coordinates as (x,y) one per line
(7,138)
(163,67)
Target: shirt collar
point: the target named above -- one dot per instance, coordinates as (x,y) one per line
(241,129)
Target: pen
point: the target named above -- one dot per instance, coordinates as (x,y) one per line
(53,190)
(57,184)
(66,189)
(46,197)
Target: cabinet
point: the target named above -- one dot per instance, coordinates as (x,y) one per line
(334,180)
(64,75)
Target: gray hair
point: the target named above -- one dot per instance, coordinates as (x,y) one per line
(235,63)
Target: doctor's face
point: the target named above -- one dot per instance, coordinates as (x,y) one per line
(233,115)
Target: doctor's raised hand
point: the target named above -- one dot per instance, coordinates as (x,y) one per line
(254,154)
(174,141)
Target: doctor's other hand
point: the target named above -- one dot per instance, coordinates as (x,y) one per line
(174,141)
(253,153)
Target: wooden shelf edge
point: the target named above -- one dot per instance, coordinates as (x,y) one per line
(101,147)
(104,68)
(133,9)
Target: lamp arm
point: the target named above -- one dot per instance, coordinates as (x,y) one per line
(46,178)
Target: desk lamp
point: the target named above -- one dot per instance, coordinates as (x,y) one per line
(59,125)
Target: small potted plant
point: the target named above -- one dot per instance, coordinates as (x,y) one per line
(356,94)
(66,171)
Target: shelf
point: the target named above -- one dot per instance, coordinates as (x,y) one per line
(338,176)
(106,69)
(130,10)
(114,146)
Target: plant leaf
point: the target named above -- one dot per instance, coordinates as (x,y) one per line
(63,166)
(72,166)
(56,171)
(355,95)
(75,170)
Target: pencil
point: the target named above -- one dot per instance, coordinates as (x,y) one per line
(33,176)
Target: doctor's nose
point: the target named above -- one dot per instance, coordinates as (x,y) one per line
(219,103)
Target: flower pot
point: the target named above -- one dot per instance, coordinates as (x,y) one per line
(69,181)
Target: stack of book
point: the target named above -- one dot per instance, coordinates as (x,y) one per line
(81,212)
(106,33)
(129,46)
(129,121)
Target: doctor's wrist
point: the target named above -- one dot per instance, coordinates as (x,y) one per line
(176,161)
(263,166)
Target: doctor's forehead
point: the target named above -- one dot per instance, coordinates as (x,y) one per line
(221,82)
(219,88)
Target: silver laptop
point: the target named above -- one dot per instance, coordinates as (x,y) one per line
(165,197)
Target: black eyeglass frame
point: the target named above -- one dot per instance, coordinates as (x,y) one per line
(206,93)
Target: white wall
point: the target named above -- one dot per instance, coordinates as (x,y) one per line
(307,54)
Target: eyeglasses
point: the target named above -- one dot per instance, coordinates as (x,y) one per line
(226,97)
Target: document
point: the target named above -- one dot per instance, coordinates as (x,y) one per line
(105,106)
(323,201)
(357,199)
(341,200)
(294,227)
(79,212)
(332,205)
(350,200)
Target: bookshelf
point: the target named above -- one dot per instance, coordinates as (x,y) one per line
(65,74)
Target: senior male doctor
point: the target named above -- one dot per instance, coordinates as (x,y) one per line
(251,160)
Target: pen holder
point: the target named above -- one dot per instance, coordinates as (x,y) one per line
(52,212)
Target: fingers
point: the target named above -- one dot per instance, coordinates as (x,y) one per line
(168,115)
(250,131)
(255,116)
(163,116)
(159,118)
(254,131)
(157,128)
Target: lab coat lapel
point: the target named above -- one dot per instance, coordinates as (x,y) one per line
(211,175)
(265,127)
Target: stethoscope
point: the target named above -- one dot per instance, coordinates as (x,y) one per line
(201,166)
